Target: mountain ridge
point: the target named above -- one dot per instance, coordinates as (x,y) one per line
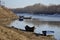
(38,9)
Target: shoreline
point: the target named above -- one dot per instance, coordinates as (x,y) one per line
(25,35)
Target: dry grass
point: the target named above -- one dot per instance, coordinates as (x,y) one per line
(32,36)
(5,13)
(6,16)
(9,34)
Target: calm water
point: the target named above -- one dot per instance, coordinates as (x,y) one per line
(41,23)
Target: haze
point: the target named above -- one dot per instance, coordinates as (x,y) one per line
(23,3)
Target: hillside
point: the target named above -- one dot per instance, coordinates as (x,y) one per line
(6,15)
(4,12)
(39,9)
(8,33)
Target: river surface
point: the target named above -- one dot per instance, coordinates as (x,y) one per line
(41,23)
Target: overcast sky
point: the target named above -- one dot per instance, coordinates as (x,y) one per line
(23,3)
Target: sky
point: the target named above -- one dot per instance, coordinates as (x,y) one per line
(23,3)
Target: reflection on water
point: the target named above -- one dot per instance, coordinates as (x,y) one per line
(38,22)
(39,25)
(40,17)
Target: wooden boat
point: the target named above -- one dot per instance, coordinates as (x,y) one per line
(44,33)
(27,17)
(29,29)
(21,18)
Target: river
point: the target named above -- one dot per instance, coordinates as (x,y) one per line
(41,23)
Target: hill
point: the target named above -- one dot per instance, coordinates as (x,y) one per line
(38,9)
(5,12)
(6,33)
(6,15)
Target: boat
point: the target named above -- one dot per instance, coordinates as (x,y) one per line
(27,17)
(21,18)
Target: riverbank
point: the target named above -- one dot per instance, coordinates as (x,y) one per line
(9,33)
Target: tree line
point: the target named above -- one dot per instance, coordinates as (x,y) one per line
(39,9)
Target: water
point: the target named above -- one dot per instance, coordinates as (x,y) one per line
(41,23)
(43,17)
